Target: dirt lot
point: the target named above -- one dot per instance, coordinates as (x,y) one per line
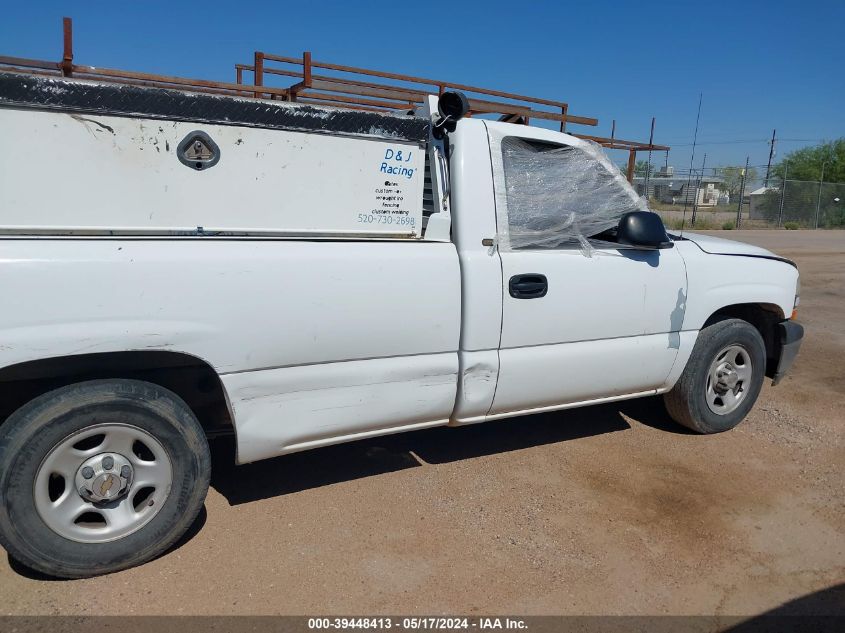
(609,509)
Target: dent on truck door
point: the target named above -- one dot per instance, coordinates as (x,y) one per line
(583,324)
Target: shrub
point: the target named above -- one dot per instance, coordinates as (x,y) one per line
(728,226)
(702,223)
(791,226)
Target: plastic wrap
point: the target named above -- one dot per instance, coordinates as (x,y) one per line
(550,196)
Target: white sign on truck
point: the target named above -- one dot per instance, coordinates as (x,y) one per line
(147,176)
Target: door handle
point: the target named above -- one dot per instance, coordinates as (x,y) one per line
(528,286)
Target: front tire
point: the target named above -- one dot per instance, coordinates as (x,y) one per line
(100,476)
(722,379)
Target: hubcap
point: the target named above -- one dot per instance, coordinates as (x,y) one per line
(728,379)
(104,477)
(102,483)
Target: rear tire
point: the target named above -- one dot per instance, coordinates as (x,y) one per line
(100,476)
(722,379)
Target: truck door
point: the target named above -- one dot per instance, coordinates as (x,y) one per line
(582,320)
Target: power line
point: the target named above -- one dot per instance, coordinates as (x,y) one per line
(745,141)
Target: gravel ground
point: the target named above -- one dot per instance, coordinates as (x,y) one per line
(608,509)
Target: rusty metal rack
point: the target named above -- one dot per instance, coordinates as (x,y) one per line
(347,88)
(337,85)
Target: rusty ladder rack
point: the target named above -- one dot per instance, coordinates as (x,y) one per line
(345,88)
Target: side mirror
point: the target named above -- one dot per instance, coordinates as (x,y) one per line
(643,229)
(452,106)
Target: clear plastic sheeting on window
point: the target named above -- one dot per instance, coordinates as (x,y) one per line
(559,196)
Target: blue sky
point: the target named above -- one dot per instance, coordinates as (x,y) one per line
(760,65)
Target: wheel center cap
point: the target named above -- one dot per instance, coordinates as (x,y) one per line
(727,377)
(104,477)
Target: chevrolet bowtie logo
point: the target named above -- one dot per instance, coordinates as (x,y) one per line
(107,484)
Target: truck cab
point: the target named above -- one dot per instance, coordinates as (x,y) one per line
(601,320)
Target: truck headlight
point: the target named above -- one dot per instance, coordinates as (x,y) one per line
(797,298)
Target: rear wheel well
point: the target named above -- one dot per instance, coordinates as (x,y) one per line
(189,377)
(764,317)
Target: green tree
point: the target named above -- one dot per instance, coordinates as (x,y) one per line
(732,179)
(639,168)
(802,199)
(806,163)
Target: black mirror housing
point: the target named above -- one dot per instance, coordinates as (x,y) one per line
(452,107)
(453,104)
(643,229)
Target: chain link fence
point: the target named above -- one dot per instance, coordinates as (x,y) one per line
(791,204)
(798,204)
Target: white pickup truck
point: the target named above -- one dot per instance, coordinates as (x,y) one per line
(177,266)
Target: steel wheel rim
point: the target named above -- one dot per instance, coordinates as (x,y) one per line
(103,515)
(728,379)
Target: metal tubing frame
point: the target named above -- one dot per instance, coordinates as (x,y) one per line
(332,91)
(433,86)
(67,57)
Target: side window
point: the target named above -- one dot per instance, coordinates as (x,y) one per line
(559,196)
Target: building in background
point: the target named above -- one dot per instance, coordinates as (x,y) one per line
(664,186)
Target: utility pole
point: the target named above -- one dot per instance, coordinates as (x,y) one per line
(782,193)
(771,155)
(741,194)
(697,187)
(819,201)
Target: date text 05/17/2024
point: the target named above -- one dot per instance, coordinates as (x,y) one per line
(418,623)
